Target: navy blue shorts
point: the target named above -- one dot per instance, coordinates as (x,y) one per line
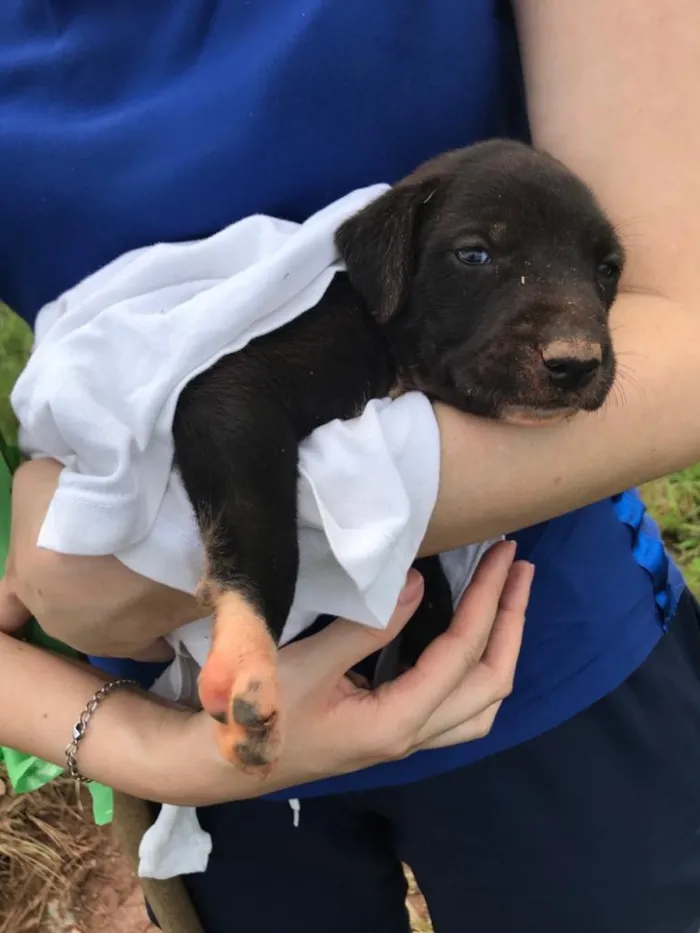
(593,827)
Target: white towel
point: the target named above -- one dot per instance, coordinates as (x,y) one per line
(110,358)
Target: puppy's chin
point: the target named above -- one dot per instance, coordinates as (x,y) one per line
(535,417)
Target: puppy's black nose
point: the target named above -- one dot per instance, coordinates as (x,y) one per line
(571,364)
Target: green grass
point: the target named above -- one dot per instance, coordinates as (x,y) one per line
(674,501)
(15,343)
(675,504)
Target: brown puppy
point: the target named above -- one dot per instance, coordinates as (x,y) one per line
(485,280)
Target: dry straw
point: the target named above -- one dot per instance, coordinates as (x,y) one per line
(49,849)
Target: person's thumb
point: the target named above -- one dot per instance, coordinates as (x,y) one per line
(342,644)
(13,613)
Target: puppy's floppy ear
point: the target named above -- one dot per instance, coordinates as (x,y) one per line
(378,246)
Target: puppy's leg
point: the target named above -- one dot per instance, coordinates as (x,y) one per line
(237,456)
(238,684)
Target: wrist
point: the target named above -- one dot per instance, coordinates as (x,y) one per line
(129,742)
(182,764)
(83,724)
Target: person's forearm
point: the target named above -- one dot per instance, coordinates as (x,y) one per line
(496,478)
(610,91)
(154,750)
(134,743)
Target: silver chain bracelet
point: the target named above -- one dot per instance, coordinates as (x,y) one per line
(80,728)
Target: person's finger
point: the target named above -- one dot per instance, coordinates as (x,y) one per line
(475,728)
(486,685)
(484,595)
(445,662)
(329,654)
(13,613)
(506,637)
(516,592)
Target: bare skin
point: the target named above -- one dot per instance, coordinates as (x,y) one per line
(606,83)
(154,750)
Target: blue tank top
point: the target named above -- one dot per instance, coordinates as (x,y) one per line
(124,124)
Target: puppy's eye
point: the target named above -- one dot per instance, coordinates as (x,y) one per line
(609,270)
(474,256)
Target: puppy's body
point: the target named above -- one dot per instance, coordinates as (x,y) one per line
(485,280)
(238,428)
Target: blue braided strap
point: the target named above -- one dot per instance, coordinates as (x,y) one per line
(648,551)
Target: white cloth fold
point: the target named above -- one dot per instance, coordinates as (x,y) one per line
(175,845)
(110,358)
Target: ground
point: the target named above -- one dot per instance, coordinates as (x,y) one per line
(59,874)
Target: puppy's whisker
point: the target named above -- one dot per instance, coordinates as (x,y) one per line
(623,227)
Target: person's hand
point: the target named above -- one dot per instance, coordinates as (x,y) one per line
(160,751)
(452,695)
(94,604)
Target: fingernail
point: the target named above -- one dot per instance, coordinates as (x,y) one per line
(412,587)
(525,568)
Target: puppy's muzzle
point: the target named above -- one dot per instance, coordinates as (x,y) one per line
(571,365)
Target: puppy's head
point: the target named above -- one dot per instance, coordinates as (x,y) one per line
(493,270)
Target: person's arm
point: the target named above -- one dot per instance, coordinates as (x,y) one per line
(151,749)
(612,89)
